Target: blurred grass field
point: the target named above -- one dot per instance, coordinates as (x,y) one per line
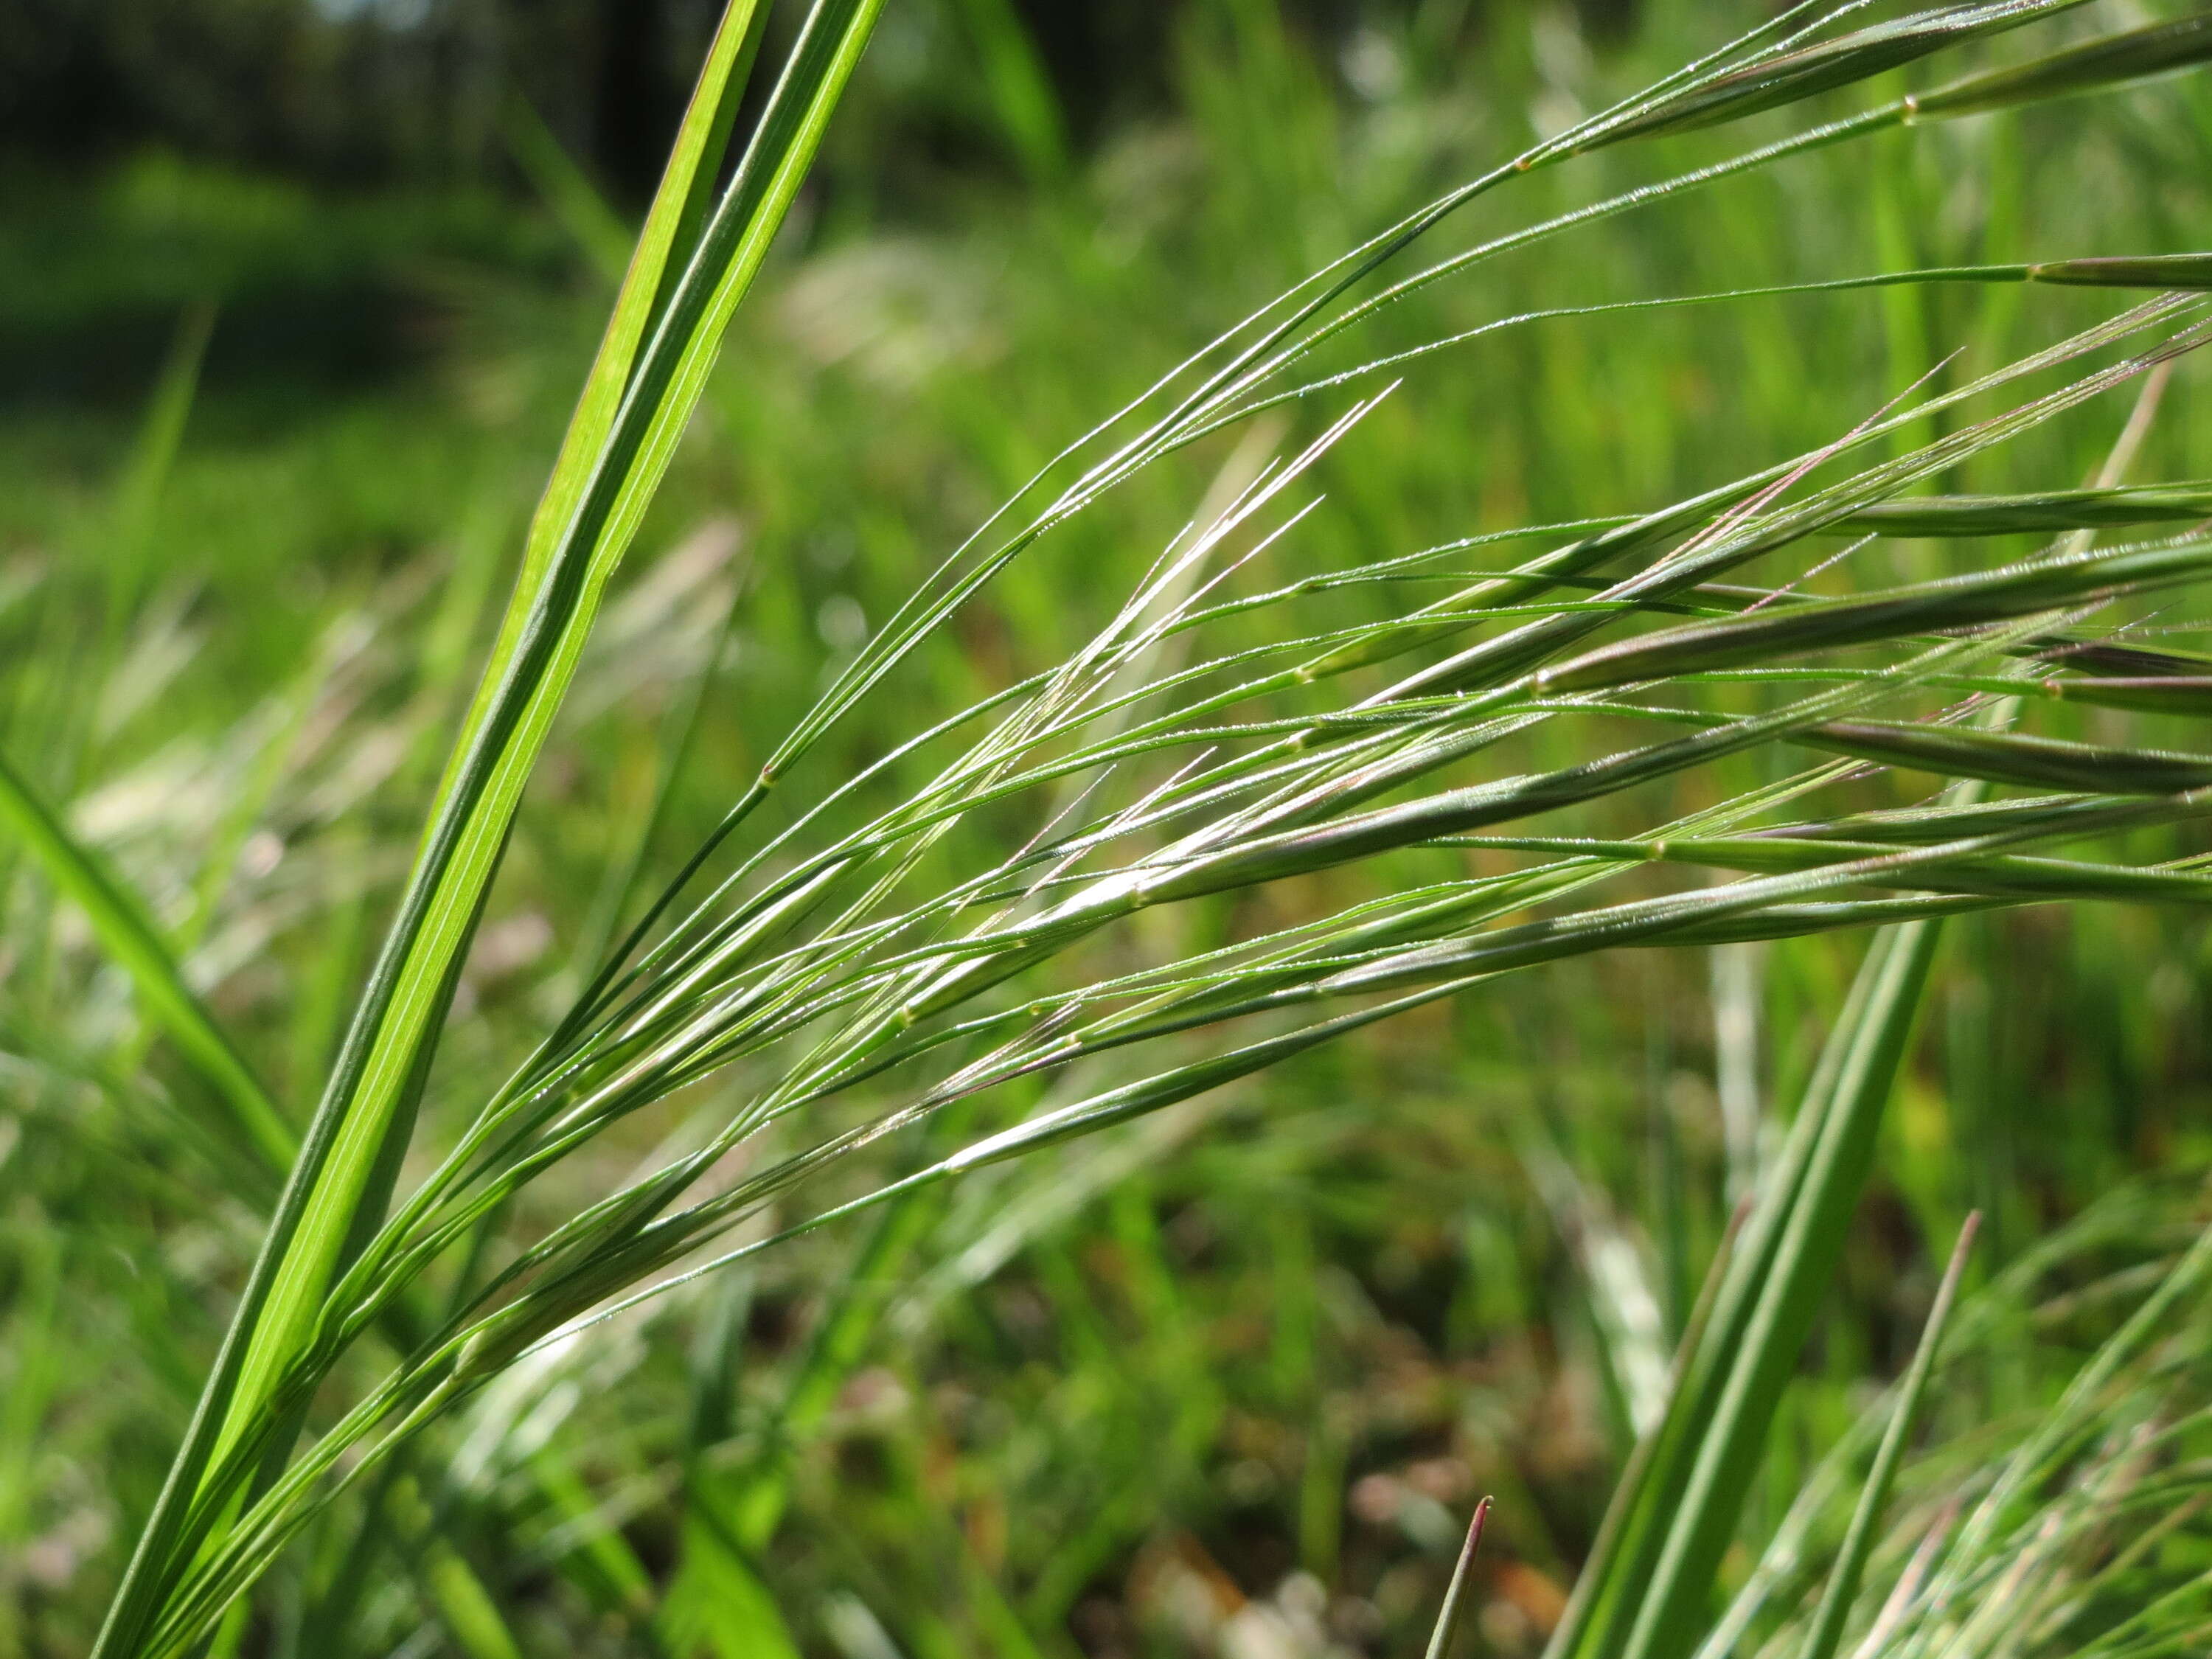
(1226,1381)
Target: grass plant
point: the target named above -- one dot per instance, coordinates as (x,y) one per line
(1268,801)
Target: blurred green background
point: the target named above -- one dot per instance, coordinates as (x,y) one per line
(293,295)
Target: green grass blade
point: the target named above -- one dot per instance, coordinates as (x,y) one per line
(2151,694)
(774,979)
(1453,1614)
(1599,1570)
(1797,1258)
(1931,607)
(469,1611)
(1827,1632)
(1673,1498)
(625,430)
(396,1030)
(133,941)
(718,1604)
(664,248)
(701,144)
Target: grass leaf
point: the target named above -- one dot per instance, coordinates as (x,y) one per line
(133,940)
(1826,1636)
(634,408)
(1645,1598)
(1453,1614)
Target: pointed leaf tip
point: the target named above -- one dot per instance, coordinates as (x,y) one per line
(1453,1611)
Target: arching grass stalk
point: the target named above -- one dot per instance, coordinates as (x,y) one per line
(626,1237)
(879,964)
(893,951)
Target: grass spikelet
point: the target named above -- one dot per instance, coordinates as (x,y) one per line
(2097,65)
(1772,83)
(2172,271)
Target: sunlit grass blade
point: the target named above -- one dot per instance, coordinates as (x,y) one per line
(2092,66)
(635,406)
(653,265)
(1995,875)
